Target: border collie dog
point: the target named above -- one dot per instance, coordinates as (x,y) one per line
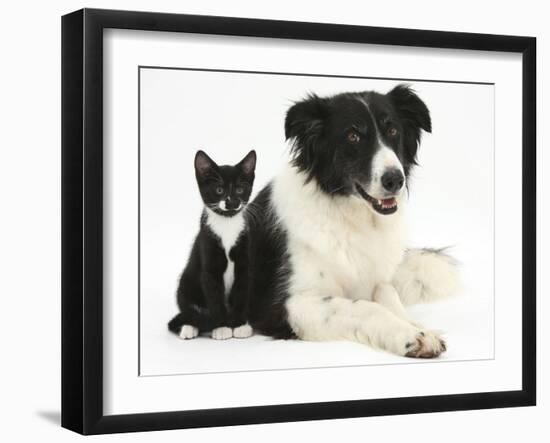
(327,240)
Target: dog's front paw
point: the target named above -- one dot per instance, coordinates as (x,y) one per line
(426,344)
(243,331)
(188,331)
(222,333)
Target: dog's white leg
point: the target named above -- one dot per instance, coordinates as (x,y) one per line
(327,318)
(387,296)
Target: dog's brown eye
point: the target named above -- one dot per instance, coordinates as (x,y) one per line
(353,137)
(392,132)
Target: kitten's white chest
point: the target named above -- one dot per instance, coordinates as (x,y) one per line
(228,229)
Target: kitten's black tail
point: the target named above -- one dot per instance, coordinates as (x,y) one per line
(176,323)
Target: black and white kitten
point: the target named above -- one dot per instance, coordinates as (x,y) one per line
(212,293)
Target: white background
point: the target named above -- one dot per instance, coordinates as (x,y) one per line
(451,203)
(30,179)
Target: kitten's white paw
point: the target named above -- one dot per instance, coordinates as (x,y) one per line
(222,333)
(188,331)
(243,331)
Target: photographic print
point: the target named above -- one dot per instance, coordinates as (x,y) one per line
(311,220)
(351,223)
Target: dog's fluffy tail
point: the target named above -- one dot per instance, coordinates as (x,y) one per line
(426,275)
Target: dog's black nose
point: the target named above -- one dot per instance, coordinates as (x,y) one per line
(392,180)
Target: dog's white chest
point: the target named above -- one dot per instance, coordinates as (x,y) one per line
(336,246)
(228,229)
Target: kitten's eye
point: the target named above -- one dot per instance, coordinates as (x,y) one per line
(239,190)
(219,190)
(353,137)
(392,132)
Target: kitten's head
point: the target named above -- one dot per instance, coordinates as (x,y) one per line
(225,189)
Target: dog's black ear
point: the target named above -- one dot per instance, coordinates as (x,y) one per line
(414,115)
(304,124)
(410,107)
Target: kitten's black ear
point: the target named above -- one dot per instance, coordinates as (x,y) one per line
(414,115)
(203,164)
(304,123)
(248,164)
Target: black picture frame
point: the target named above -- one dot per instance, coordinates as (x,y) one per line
(82,220)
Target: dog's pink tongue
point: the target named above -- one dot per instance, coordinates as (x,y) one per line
(388,201)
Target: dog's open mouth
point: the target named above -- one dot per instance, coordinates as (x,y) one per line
(383,206)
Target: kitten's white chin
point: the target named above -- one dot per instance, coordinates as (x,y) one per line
(223,207)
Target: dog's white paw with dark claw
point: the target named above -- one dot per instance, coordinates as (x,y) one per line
(426,344)
(188,331)
(222,333)
(243,331)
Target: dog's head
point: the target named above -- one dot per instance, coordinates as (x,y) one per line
(361,144)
